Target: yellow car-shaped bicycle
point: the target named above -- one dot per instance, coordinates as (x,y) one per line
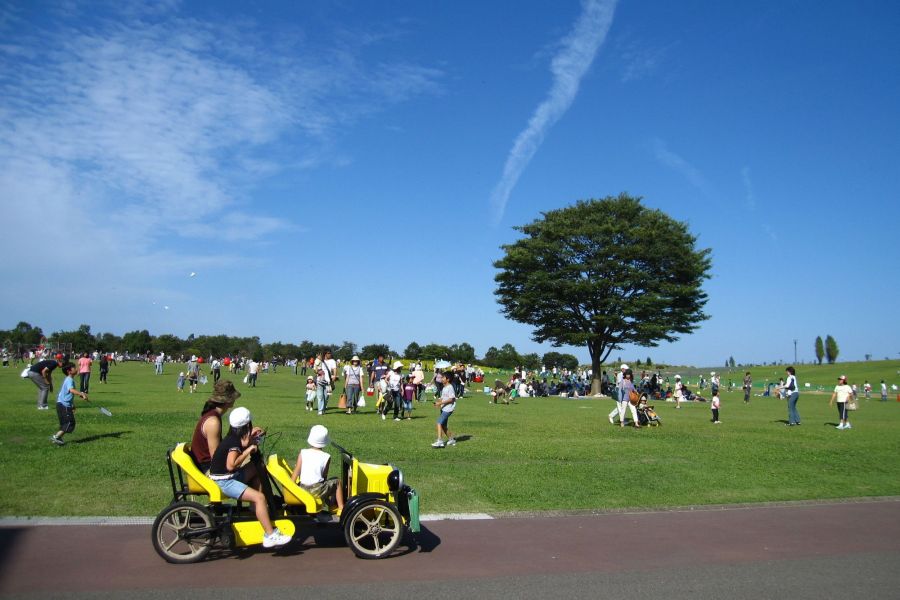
(380,508)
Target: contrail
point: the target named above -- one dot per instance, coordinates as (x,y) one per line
(568,67)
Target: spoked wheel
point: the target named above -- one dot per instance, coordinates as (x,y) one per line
(184,533)
(374,529)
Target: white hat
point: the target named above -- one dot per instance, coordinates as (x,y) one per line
(624,367)
(239,417)
(355,357)
(309,377)
(397,365)
(318,436)
(678,377)
(712,373)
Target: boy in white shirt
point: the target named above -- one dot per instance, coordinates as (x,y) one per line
(714,405)
(312,469)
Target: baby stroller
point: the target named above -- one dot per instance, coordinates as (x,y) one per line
(646,414)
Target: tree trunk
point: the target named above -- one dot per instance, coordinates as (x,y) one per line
(597,368)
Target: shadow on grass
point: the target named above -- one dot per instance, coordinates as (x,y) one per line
(463,438)
(94,438)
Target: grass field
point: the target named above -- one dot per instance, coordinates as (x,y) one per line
(541,454)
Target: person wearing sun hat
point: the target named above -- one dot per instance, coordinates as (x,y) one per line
(395,387)
(678,396)
(842,394)
(208,431)
(310,392)
(353,376)
(311,471)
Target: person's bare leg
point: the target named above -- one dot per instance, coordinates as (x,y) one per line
(259,506)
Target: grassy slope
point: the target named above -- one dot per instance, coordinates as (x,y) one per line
(541,454)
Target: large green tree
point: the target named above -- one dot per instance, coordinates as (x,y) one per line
(602,274)
(413,351)
(831,350)
(373,351)
(820,349)
(138,341)
(563,361)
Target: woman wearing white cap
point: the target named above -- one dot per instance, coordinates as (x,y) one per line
(311,471)
(353,376)
(624,400)
(620,376)
(395,387)
(228,474)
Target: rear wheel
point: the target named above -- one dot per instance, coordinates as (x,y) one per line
(374,530)
(183,533)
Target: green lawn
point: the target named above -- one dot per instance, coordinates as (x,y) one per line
(541,454)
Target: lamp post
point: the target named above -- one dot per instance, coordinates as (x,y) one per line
(795,352)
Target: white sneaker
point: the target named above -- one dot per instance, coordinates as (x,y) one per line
(839,427)
(611,422)
(451,442)
(320,412)
(276,538)
(396,418)
(383,417)
(438,444)
(848,426)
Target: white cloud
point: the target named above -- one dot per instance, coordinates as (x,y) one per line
(638,60)
(123,140)
(675,162)
(568,66)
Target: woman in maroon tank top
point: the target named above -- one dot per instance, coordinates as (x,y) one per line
(208,432)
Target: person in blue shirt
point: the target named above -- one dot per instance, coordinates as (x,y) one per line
(65,405)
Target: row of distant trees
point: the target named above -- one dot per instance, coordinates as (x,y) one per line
(24,335)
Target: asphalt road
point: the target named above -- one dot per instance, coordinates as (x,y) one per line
(827,550)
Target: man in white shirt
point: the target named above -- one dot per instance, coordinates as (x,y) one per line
(252,372)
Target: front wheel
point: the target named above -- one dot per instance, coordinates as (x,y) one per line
(183,533)
(374,529)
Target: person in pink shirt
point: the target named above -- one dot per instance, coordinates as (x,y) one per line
(84,373)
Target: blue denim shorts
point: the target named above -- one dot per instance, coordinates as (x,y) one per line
(233,488)
(443,418)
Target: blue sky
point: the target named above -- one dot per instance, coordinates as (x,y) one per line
(349,170)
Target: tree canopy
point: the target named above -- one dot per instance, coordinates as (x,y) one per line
(831,350)
(602,274)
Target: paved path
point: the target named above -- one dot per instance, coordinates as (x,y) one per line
(831,550)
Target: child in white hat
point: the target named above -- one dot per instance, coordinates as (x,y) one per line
(311,471)
(310,392)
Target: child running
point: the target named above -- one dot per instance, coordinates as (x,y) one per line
(65,405)
(180,383)
(447,404)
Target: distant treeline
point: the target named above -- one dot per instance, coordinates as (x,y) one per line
(140,342)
